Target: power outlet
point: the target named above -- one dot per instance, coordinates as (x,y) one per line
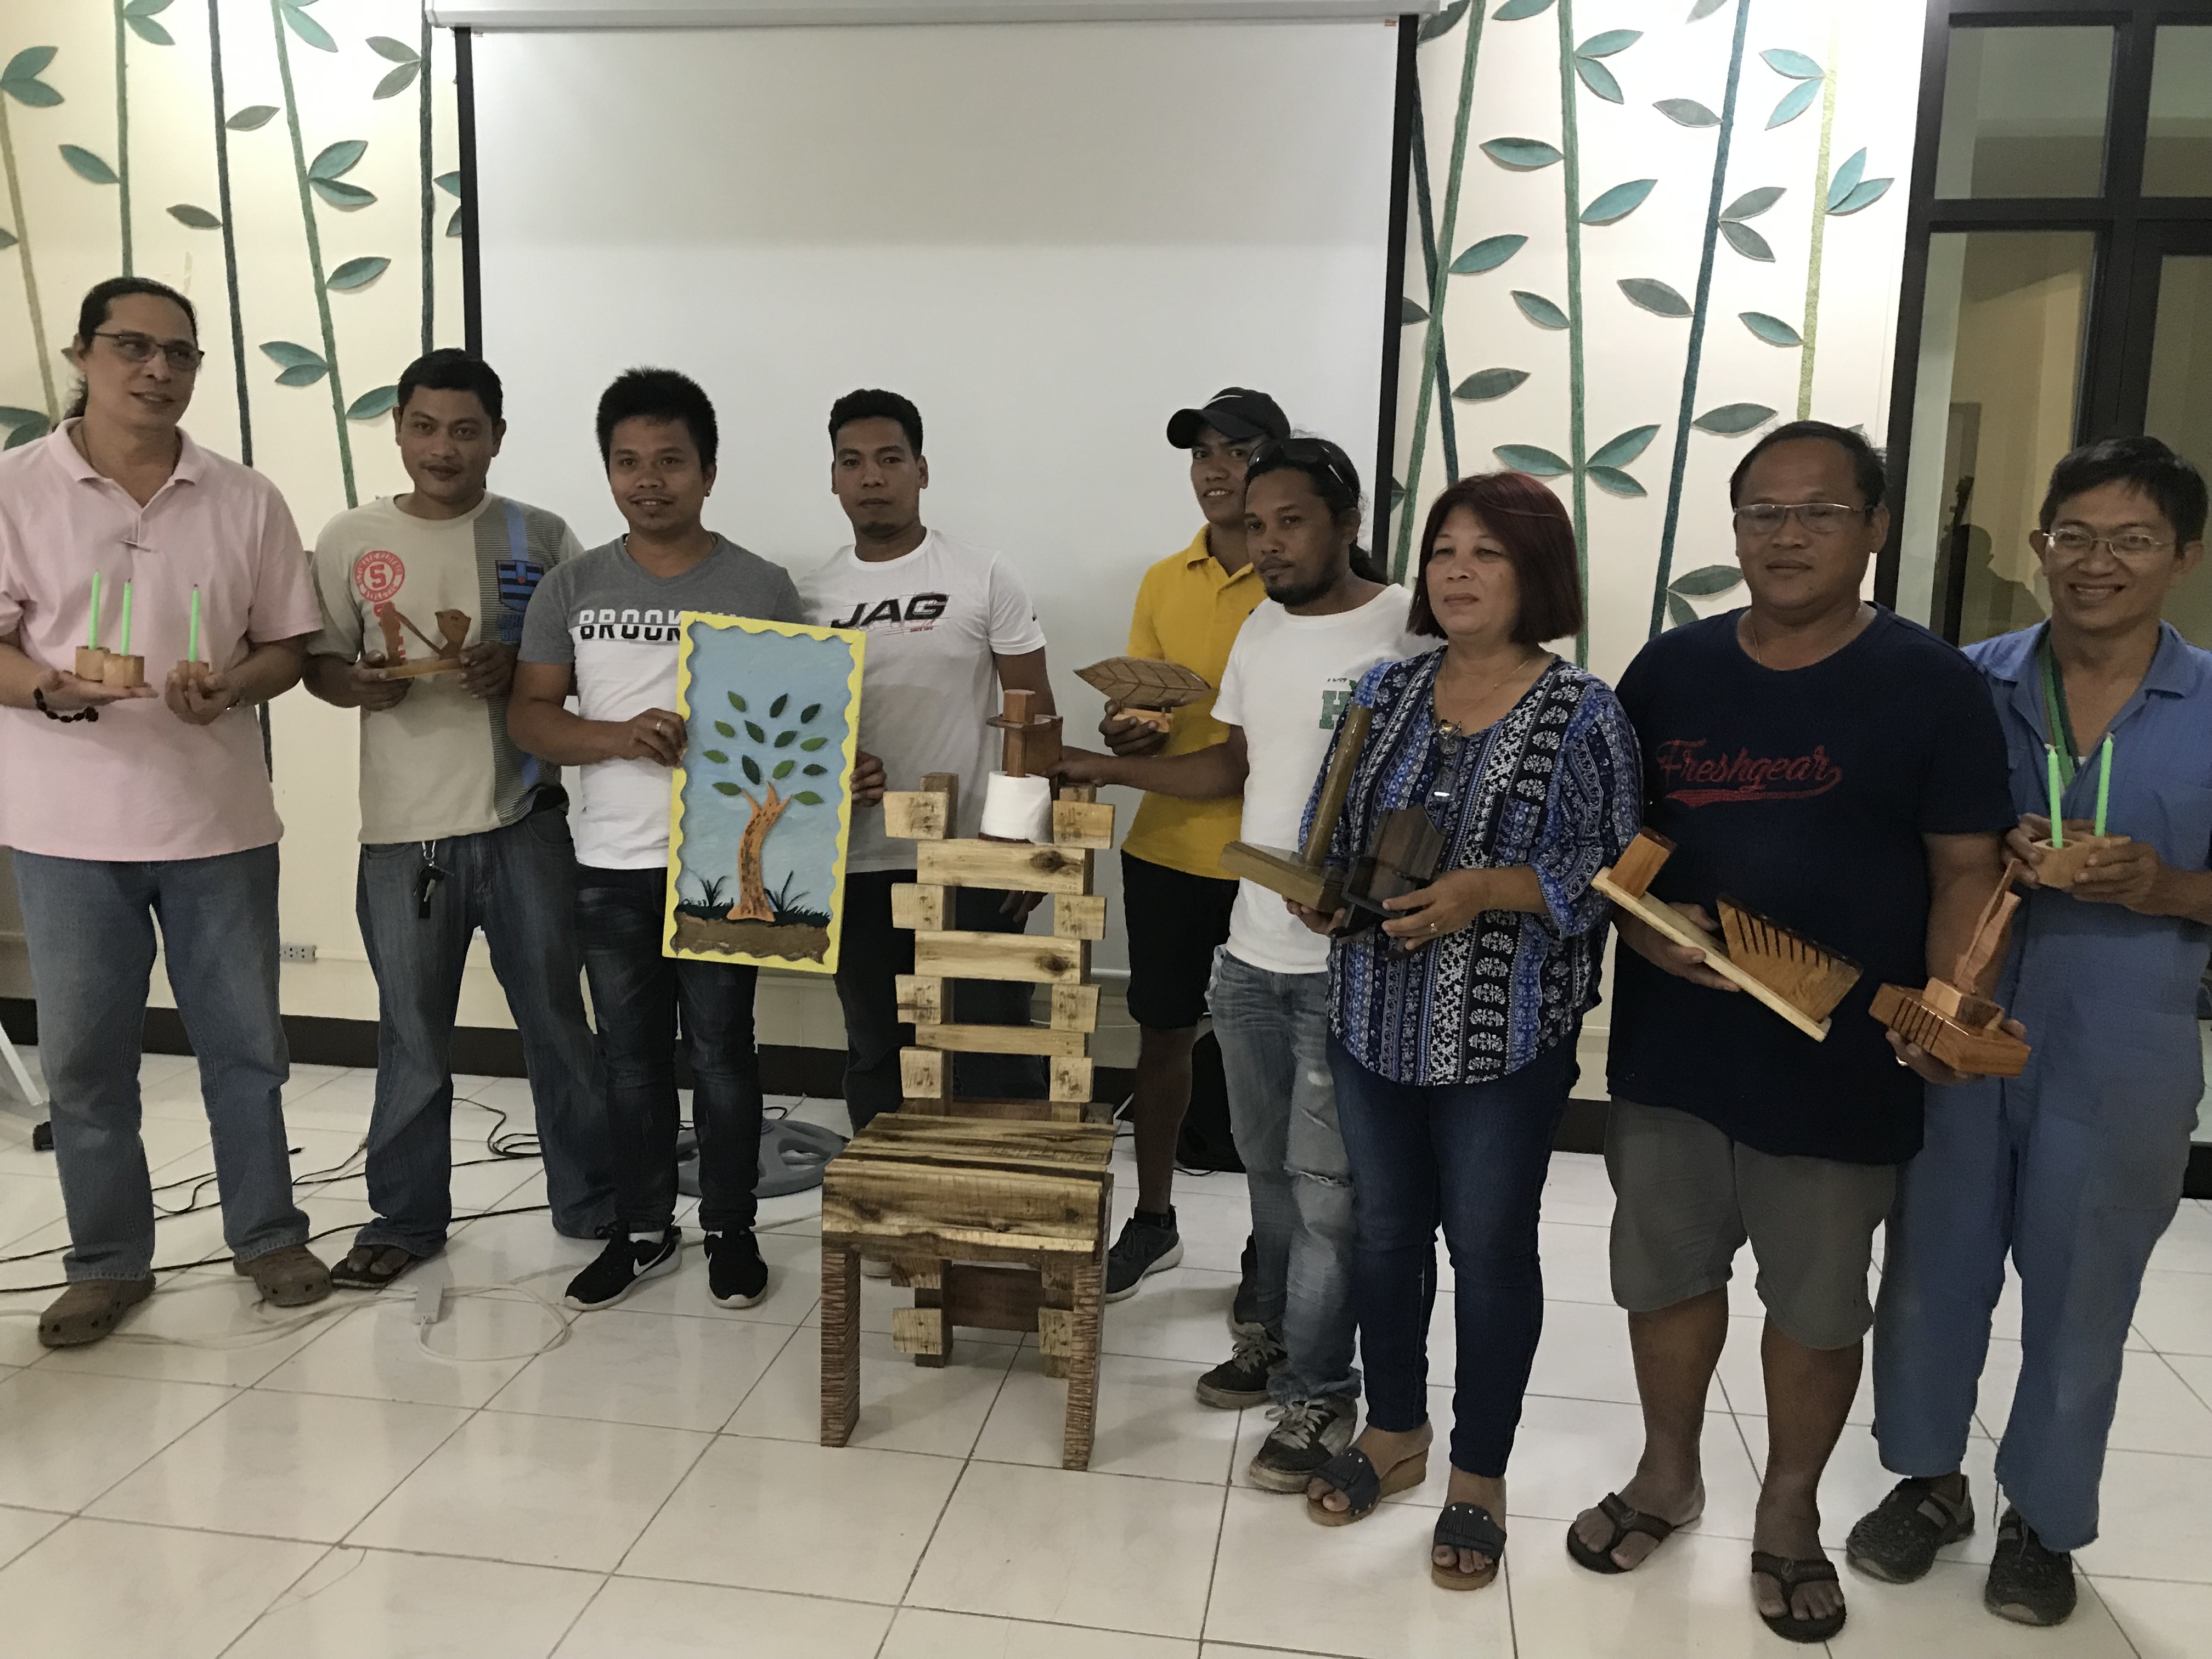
(296,953)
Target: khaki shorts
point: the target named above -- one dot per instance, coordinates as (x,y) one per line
(1686,1198)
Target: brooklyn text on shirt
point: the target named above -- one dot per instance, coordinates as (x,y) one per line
(379,573)
(912,613)
(1694,778)
(631,627)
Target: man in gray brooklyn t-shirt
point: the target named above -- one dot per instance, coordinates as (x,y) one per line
(605,628)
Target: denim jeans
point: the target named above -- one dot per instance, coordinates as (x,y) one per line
(635,993)
(1470,1158)
(518,885)
(1273,1032)
(89,926)
(871,956)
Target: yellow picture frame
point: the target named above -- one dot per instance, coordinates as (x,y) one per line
(761,722)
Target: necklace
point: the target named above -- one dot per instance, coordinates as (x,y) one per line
(1756,646)
(1452,729)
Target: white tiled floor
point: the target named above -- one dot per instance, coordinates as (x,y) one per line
(646,1483)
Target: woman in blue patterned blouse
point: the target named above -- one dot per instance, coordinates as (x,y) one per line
(1453,1025)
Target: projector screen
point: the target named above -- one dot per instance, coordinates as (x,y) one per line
(1049,237)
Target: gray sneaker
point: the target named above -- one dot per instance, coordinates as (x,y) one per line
(1309,1432)
(1142,1248)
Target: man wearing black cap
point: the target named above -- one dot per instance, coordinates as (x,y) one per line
(1174,897)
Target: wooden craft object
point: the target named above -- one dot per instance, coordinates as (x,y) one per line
(1811,977)
(122,672)
(2059,866)
(1304,876)
(445,656)
(1020,867)
(1144,689)
(1078,915)
(92,663)
(992,1224)
(1639,864)
(1407,849)
(395,640)
(929,813)
(193,672)
(1032,741)
(1024,958)
(1949,1017)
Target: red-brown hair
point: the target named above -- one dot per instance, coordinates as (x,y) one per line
(1529,522)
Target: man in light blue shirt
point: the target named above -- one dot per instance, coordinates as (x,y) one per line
(2076,1166)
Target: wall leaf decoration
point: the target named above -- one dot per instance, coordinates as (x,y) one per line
(1655,296)
(357,273)
(87,165)
(1707,580)
(1411,311)
(321,179)
(301,366)
(1730,420)
(450,184)
(294,14)
(1487,254)
(1614,481)
(400,52)
(1539,310)
(1680,613)
(1486,385)
(1849,191)
(1705,8)
(1514,11)
(1794,64)
(6,239)
(21,426)
(1772,330)
(198,218)
(1444,22)
(1521,155)
(370,404)
(1747,241)
(1595,75)
(1808,76)
(1532,459)
(1687,112)
(139,15)
(1615,204)
(1620,451)
(1752,202)
(251,116)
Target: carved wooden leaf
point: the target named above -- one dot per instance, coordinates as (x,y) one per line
(1144,683)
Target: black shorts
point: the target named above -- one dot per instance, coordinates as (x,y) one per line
(1175,922)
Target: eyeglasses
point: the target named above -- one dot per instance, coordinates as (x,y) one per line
(140,348)
(2069,544)
(1819,518)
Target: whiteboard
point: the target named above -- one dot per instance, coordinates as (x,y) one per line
(1050,238)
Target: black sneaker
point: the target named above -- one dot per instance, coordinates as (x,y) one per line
(736,1275)
(1241,1380)
(1143,1247)
(2028,1583)
(1244,1310)
(1307,1434)
(622,1266)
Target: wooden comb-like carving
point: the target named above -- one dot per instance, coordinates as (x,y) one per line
(1813,977)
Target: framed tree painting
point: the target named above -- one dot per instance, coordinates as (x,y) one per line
(761,804)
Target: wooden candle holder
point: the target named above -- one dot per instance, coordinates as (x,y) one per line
(194,673)
(1303,877)
(1798,979)
(1032,741)
(123,673)
(2059,866)
(92,663)
(1962,1030)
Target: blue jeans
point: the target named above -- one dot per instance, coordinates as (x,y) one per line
(518,885)
(1470,1158)
(89,926)
(635,992)
(1273,1032)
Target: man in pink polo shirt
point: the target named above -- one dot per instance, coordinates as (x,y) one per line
(127,803)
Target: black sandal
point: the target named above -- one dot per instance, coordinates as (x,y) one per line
(1466,1527)
(1351,1473)
(1896,1540)
(372,1266)
(1790,1575)
(1626,1519)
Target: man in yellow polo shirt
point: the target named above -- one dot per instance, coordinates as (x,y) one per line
(1176,898)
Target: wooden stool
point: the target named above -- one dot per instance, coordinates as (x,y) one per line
(997,1225)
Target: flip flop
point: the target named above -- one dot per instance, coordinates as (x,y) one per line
(1466,1527)
(1625,1519)
(1790,1574)
(1351,1473)
(372,1266)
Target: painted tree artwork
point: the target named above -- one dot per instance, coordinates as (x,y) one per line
(761,802)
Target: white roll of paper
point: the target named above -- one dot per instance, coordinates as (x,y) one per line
(1017,809)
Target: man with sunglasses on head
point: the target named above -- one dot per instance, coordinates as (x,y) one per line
(139,797)
(1832,766)
(1176,899)
(2074,1168)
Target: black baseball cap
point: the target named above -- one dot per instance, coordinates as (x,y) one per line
(1235,411)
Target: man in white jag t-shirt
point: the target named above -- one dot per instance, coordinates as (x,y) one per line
(1326,622)
(949,627)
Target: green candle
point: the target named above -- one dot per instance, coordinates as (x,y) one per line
(92,632)
(2103,780)
(127,619)
(2049,755)
(194,653)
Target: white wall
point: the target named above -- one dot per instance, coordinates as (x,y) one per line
(1050,238)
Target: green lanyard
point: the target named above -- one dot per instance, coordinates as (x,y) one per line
(2056,721)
